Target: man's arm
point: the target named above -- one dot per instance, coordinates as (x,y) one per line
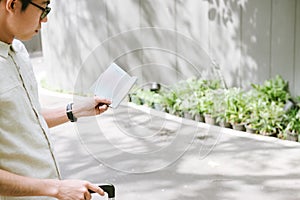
(15,185)
(86,107)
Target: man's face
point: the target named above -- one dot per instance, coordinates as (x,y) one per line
(25,24)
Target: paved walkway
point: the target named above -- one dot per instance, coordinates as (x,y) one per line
(152,155)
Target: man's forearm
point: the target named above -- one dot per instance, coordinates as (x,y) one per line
(88,106)
(15,185)
(55,117)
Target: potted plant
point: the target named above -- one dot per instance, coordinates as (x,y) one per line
(134,98)
(223,116)
(158,103)
(168,100)
(146,97)
(198,89)
(275,96)
(208,106)
(271,119)
(274,90)
(237,108)
(190,95)
(254,122)
(185,107)
(197,109)
(255,105)
(292,129)
(176,98)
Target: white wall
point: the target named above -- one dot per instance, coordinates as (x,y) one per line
(169,40)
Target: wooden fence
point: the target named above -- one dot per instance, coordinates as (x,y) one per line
(168,40)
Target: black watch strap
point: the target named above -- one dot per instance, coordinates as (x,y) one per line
(69,112)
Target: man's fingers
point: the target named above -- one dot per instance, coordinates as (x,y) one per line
(102,106)
(100,101)
(96,189)
(87,196)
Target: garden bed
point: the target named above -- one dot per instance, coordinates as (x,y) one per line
(267,109)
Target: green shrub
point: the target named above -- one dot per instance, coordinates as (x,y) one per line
(273,90)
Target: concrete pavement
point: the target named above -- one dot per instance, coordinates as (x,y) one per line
(148,154)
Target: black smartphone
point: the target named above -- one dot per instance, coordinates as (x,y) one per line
(108,188)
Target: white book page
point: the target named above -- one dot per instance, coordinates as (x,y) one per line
(114,84)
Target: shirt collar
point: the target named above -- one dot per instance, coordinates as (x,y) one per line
(4,48)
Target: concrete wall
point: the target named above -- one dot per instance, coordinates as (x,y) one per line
(34,46)
(244,41)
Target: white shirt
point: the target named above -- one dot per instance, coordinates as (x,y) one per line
(25,148)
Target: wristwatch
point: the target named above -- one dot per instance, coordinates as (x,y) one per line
(69,112)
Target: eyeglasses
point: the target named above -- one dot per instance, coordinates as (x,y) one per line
(45,10)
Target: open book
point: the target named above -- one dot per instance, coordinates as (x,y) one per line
(113,84)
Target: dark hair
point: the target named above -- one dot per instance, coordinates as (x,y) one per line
(25,4)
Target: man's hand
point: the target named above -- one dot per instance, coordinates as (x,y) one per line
(90,106)
(76,190)
(16,185)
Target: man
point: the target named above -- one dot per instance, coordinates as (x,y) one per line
(28,169)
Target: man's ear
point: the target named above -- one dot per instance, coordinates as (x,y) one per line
(11,5)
